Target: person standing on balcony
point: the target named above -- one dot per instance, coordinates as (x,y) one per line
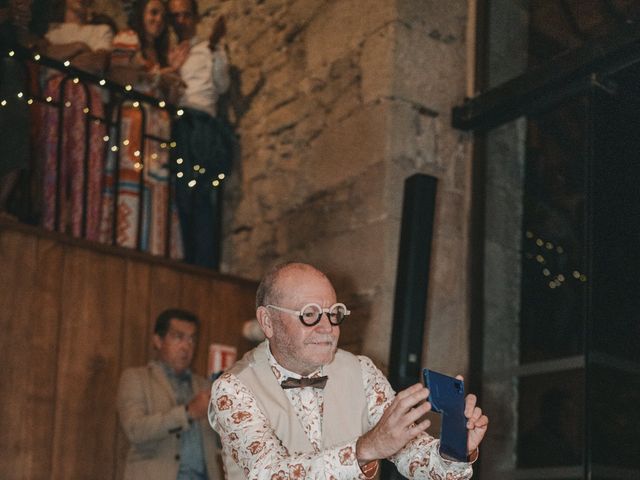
(163,408)
(140,58)
(86,47)
(204,143)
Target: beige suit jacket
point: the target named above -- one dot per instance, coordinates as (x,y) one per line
(153,421)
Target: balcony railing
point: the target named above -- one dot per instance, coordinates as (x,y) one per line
(102,125)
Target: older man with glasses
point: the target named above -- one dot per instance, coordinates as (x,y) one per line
(163,408)
(296,406)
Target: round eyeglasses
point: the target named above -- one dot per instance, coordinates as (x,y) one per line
(311,313)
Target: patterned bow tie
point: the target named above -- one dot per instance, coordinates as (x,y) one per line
(316,382)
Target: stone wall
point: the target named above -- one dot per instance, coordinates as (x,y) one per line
(336,102)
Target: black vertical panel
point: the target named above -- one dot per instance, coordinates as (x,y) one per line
(412,280)
(613,353)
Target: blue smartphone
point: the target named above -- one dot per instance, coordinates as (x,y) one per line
(446,395)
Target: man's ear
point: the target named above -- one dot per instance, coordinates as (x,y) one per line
(265,321)
(157,341)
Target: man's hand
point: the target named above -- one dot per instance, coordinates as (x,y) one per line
(199,405)
(397,426)
(217,32)
(477,423)
(178,55)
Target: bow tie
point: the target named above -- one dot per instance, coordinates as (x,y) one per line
(316,382)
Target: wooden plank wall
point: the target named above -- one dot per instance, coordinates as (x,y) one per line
(72,317)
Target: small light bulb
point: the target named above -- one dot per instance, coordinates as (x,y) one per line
(221,176)
(179,161)
(192,183)
(67,63)
(180,112)
(179,174)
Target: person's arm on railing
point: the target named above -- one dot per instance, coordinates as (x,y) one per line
(65,51)
(92,62)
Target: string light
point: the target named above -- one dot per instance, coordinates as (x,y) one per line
(173,144)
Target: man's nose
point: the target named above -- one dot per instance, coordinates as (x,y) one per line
(324,324)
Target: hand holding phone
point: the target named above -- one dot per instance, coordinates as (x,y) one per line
(446,395)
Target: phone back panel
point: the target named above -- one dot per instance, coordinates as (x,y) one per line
(446,395)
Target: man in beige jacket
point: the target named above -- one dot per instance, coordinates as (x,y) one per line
(163,406)
(298,407)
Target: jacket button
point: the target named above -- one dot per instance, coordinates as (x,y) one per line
(177,457)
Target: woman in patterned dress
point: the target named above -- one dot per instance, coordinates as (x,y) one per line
(67,186)
(140,58)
